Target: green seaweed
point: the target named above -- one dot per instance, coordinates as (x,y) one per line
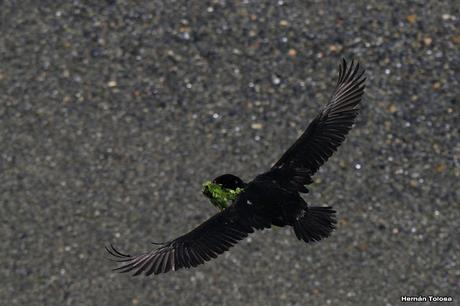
(219,196)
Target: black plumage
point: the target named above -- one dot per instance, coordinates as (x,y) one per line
(272,198)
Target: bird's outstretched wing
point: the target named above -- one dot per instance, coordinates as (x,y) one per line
(207,241)
(328,130)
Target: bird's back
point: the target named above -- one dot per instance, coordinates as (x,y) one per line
(264,197)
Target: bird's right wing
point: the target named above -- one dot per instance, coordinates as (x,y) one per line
(207,241)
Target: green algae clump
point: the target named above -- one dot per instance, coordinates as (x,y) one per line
(219,196)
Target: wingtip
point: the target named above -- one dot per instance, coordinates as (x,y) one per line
(349,64)
(342,71)
(114,252)
(349,72)
(158,243)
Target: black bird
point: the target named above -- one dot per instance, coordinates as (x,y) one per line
(272,198)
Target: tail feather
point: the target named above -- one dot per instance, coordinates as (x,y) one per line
(314,223)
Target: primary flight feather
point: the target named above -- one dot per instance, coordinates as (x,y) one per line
(272,198)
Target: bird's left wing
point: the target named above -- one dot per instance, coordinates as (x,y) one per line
(207,241)
(326,132)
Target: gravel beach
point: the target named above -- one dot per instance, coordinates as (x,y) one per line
(113,113)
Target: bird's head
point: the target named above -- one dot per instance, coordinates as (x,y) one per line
(223,189)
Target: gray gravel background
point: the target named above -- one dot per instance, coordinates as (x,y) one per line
(112,114)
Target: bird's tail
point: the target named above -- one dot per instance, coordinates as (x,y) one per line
(314,223)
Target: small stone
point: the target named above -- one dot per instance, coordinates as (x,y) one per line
(256,126)
(427,40)
(440,168)
(292,52)
(184,29)
(276,80)
(436,85)
(112,83)
(284,23)
(135,301)
(411,18)
(392,108)
(455,39)
(335,48)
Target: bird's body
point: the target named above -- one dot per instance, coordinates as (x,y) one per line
(280,204)
(271,198)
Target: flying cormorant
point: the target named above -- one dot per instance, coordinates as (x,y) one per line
(271,198)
